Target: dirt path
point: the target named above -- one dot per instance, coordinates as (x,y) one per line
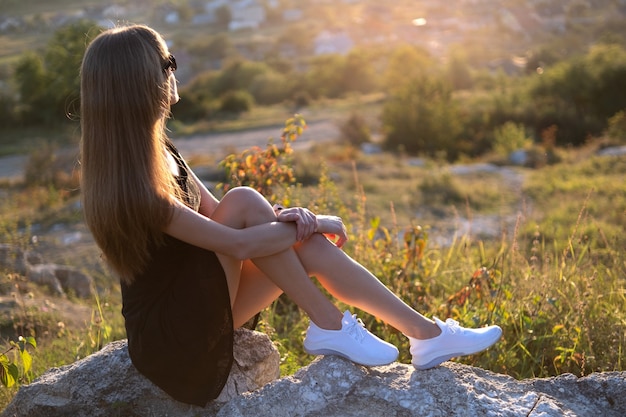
(12,167)
(207,144)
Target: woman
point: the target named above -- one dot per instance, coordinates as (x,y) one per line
(192,267)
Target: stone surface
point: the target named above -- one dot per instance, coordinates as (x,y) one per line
(107,384)
(59,279)
(335,387)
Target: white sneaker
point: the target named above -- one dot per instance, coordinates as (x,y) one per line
(453,341)
(353,342)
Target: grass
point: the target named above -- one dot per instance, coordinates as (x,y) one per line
(275,115)
(554,281)
(25,140)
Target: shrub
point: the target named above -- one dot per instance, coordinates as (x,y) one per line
(270,88)
(236,102)
(355,130)
(510,137)
(617,127)
(422,119)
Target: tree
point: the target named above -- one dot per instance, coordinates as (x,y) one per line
(31,80)
(48,82)
(322,78)
(458,71)
(63,58)
(421,118)
(236,101)
(215,47)
(358,72)
(270,87)
(607,69)
(238,74)
(580,94)
(406,63)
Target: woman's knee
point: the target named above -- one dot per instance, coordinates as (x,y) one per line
(245,195)
(244,204)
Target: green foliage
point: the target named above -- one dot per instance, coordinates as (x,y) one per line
(266,170)
(48,81)
(598,181)
(8,113)
(10,372)
(322,79)
(355,130)
(358,75)
(510,137)
(271,88)
(237,75)
(234,89)
(586,91)
(406,63)
(441,189)
(617,127)
(30,77)
(554,285)
(458,71)
(215,47)
(334,75)
(236,101)
(422,118)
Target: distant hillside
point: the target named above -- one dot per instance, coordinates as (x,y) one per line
(488,32)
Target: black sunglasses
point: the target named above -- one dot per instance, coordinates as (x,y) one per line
(170,64)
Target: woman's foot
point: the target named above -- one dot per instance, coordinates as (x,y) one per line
(453,341)
(353,342)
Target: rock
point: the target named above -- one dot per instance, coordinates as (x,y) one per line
(44,275)
(332,386)
(613,151)
(60,279)
(519,157)
(106,383)
(257,362)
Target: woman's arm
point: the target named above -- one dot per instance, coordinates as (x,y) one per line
(208,202)
(331,226)
(251,242)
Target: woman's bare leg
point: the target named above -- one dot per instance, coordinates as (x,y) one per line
(244,207)
(256,292)
(290,270)
(351,283)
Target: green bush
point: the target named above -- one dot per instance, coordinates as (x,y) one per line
(270,88)
(47,80)
(422,118)
(617,127)
(510,137)
(236,102)
(355,130)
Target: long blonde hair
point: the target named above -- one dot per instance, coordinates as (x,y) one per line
(127,186)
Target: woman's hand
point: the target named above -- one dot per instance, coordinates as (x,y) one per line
(305,219)
(308,223)
(333,228)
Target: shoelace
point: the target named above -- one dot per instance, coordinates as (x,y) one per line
(453,326)
(356,328)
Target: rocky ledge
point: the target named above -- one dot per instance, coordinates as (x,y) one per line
(106,384)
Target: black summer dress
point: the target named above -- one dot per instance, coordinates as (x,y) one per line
(178,317)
